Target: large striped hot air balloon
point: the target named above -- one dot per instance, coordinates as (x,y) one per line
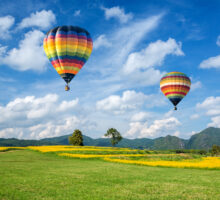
(175,86)
(68,48)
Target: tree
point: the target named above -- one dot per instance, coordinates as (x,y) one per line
(114,135)
(76,139)
(215,150)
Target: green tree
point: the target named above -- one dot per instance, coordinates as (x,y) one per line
(215,150)
(114,135)
(77,138)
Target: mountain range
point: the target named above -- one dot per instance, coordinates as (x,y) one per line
(203,140)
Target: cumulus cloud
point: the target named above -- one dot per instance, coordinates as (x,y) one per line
(6,23)
(43,130)
(101,41)
(158,128)
(52,129)
(215,122)
(141,116)
(29,55)
(212,62)
(211,105)
(32,117)
(117,13)
(129,100)
(117,104)
(153,55)
(43,20)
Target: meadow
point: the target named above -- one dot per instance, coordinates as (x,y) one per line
(65,172)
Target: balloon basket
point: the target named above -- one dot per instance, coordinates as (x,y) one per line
(67,88)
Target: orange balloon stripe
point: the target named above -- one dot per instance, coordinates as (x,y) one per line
(172,91)
(175,86)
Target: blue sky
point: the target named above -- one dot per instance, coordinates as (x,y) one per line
(134,44)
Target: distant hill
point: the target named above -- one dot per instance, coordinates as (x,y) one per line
(203,140)
(169,142)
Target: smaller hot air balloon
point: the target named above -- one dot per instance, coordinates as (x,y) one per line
(175,86)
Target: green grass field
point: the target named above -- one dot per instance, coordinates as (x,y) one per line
(25,174)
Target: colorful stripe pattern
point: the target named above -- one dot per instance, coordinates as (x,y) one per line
(68,48)
(175,86)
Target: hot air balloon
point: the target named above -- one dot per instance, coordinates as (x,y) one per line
(175,86)
(68,48)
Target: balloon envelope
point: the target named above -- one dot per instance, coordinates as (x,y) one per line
(68,48)
(175,86)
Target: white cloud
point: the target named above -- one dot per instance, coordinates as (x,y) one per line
(3,50)
(124,39)
(77,13)
(135,129)
(211,105)
(129,100)
(129,36)
(141,116)
(32,117)
(195,85)
(101,41)
(109,63)
(6,23)
(158,128)
(52,129)
(43,130)
(43,19)
(30,54)
(118,13)
(212,62)
(117,104)
(12,133)
(215,122)
(144,78)
(218,41)
(153,55)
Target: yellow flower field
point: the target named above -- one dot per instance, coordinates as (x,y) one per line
(6,148)
(128,156)
(206,162)
(99,156)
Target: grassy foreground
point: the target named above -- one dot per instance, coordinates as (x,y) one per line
(26,174)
